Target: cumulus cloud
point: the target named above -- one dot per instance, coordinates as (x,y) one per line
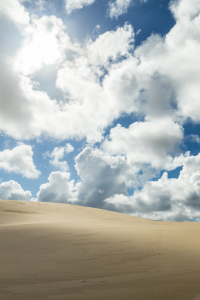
(19,160)
(15,11)
(58,154)
(175,199)
(12,190)
(59,189)
(101,176)
(76,4)
(27,112)
(106,178)
(45,43)
(102,79)
(184,9)
(90,100)
(110,46)
(41,4)
(120,7)
(175,57)
(149,142)
(194,138)
(104,175)
(92,62)
(15,112)
(14,109)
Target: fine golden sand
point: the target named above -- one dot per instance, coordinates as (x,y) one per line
(58,251)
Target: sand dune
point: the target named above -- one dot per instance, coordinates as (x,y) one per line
(57,251)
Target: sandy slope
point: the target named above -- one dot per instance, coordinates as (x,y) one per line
(57,251)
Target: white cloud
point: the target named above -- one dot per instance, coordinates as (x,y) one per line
(14,108)
(15,11)
(102,79)
(45,43)
(58,154)
(12,190)
(111,45)
(106,178)
(175,58)
(168,198)
(19,160)
(41,4)
(185,9)
(24,111)
(91,105)
(120,7)
(94,60)
(77,4)
(59,189)
(104,183)
(27,112)
(102,176)
(194,138)
(151,142)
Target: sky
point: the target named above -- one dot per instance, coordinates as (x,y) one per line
(100,105)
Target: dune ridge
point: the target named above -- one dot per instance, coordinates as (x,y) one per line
(60,251)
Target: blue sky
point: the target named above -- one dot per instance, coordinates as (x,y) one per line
(99,105)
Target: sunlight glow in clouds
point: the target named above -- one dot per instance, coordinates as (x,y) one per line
(35,53)
(76,140)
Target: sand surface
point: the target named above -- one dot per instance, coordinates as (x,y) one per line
(58,251)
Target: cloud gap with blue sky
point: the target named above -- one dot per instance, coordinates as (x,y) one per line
(99,105)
